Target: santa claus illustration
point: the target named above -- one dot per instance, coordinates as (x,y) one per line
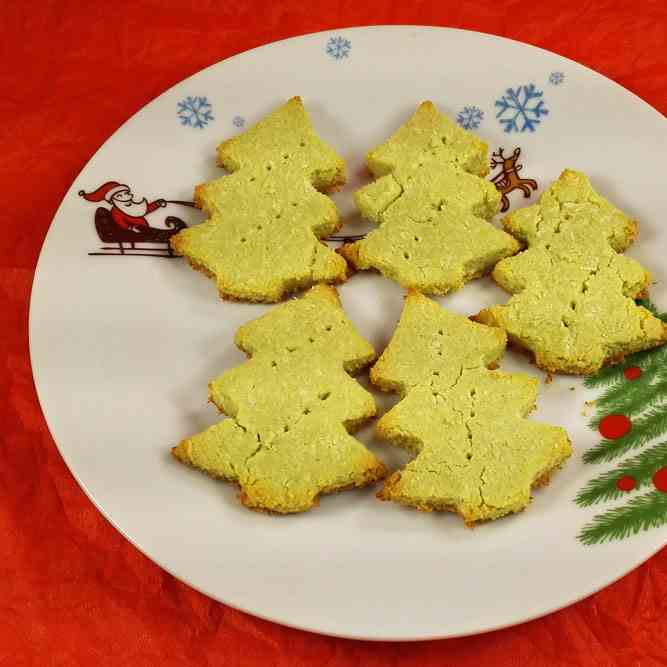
(126,211)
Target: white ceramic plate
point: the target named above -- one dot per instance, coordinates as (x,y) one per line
(123,346)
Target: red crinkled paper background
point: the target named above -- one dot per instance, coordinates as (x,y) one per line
(72,590)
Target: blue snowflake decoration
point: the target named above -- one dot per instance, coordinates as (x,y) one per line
(238,121)
(556,78)
(521,109)
(195,112)
(470,118)
(339,47)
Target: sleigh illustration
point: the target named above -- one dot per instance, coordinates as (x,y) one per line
(120,241)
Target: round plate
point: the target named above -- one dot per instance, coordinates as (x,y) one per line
(124,343)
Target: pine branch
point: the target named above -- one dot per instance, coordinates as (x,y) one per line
(641,468)
(651,424)
(614,374)
(643,401)
(641,513)
(608,375)
(633,399)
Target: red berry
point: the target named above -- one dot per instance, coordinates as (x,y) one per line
(614,427)
(626,483)
(632,373)
(660,479)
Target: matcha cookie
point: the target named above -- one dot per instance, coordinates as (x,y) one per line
(476,453)
(573,306)
(432,207)
(291,409)
(266,218)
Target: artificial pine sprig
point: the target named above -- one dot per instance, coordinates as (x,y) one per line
(631,398)
(651,424)
(640,513)
(641,469)
(631,412)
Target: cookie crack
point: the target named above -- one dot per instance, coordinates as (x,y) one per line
(256,451)
(381,213)
(449,386)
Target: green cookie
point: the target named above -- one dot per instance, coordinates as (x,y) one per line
(291,409)
(573,306)
(476,453)
(261,240)
(431,206)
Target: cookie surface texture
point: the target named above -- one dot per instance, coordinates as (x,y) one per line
(476,453)
(290,409)
(573,306)
(266,217)
(432,207)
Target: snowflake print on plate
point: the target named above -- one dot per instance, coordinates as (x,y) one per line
(339,47)
(470,118)
(195,112)
(520,108)
(238,121)
(556,78)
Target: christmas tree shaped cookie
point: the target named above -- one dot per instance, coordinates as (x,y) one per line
(573,305)
(291,408)
(476,453)
(266,218)
(432,207)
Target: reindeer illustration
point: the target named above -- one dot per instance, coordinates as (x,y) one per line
(507,179)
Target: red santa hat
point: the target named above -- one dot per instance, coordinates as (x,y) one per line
(105,191)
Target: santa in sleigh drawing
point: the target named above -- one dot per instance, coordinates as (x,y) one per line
(124,225)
